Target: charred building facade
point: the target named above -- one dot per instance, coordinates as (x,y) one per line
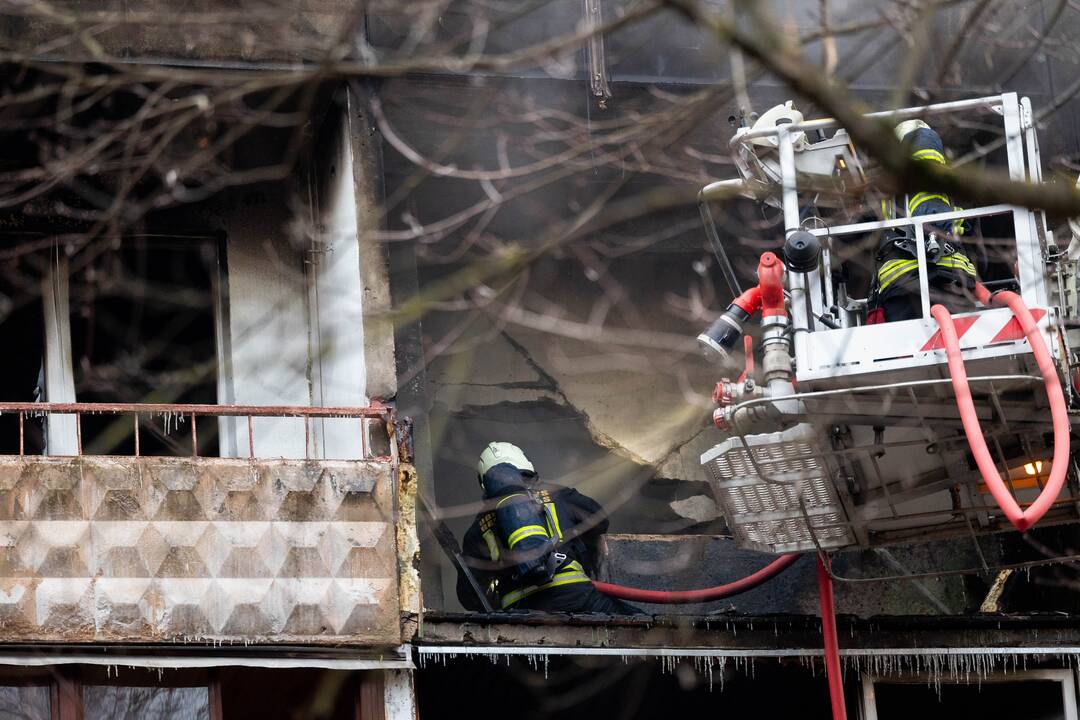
(275,274)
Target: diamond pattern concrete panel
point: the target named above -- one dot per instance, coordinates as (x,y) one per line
(172,549)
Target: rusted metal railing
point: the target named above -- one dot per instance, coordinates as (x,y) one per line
(189,412)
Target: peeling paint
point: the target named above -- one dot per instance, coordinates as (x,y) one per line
(408,549)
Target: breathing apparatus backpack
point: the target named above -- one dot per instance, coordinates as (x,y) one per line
(523,525)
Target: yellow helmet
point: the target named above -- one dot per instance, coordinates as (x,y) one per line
(497,453)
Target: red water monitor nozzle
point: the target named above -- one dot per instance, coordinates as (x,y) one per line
(767,296)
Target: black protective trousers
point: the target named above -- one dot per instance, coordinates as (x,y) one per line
(904,303)
(576,598)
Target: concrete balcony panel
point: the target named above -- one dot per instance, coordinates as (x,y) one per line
(151,549)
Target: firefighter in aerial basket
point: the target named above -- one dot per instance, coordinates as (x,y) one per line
(533,547)
(895,287)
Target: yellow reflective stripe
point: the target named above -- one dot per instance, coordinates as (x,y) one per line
(929,154)
(492,545)
(501,501)
(888,208)
(561,578)
(957,260)
(523,532)
(958,225)
(553,517)
(958,257)
(897,271)
(891,271)
(969,270)
(966,267)
(882,284)
(923,197)
(892,264)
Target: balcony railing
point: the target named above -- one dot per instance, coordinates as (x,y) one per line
(174,413)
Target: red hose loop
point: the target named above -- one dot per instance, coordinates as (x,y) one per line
(674,597)
(1021,519)
(832,644)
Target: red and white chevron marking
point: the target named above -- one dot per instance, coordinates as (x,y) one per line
(983,329)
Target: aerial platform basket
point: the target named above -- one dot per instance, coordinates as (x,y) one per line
(866,446)
(777,491)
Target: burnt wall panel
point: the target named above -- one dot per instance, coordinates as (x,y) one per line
(205,30)
(165,549)
(681,562)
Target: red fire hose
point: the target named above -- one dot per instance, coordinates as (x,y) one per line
(673,597)
(832,644)
(1021,519)
(828,611)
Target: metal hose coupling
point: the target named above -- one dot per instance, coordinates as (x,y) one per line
(725,333)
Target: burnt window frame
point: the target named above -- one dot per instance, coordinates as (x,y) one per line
(66,683)
(61,431)
(1065,676)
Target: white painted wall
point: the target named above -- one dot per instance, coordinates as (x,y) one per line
(338,373)
(264,353)
(399,695)
(61,436)
(291,314)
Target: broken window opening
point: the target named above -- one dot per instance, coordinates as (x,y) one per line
(143,331)
(1036,695)
(95,692)
(21,371)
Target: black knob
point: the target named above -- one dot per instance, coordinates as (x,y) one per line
(801,251)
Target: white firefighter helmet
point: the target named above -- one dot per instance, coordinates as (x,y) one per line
(497,453)
(779,115)
(909,126)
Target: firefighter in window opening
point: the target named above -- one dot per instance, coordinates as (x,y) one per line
(533,547)
(895,290)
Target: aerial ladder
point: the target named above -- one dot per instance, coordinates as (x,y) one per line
(860,435)
(857,434)
(852,434)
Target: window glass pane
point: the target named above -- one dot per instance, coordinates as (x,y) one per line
(110,702)
(28,702)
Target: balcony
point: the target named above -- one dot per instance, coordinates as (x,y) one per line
(254,549)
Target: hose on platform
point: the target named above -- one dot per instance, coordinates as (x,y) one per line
(674,597)
(1021,519)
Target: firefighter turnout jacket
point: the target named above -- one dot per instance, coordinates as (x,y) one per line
(531,538)
(948,264)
